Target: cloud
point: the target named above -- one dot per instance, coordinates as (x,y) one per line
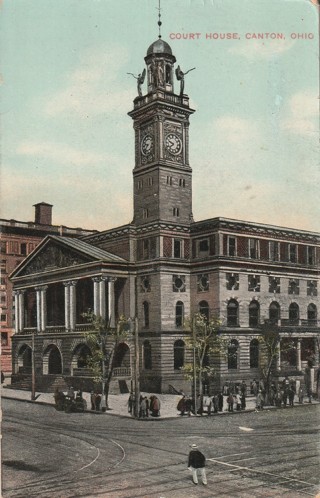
(59,153)
(94,87)
(235,130)
(259,49)
(302,114)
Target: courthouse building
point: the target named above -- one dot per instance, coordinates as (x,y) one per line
(163,267)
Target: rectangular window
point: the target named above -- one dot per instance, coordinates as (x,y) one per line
(3,299)
(3,281)
(14,247)
(292,253)
(23,249)
(146,248)
(273,250)
(4,339)
(3,247)
(203,246)
(182,182)
(150,181)
(140,184)
(3,317)
(31,247)
(253,245)
(231,246)
(3,266)
(176,212)
(177,248)
(310,255)
(169,180)
(145,213)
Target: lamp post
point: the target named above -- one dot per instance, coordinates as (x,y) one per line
(194,368)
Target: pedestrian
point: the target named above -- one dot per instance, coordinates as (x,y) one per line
(140,401)
(230,402)
(220,401)
(259,400)
(207,404)
(285,398)
(243,388)
(278,398)
(200,404)
(215,403)
(2,377)
(300,396)
(238,402)
(197,462)
(130,403)
(291,395)
(243,401)
(181,406)
(143,407)
(71,393)
(98,402)
(154,406)
(189,406)
(254,387)
(93,400)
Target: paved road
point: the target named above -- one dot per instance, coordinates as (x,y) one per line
(53,454)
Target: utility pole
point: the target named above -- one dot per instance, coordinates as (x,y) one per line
(33,373)
(194,368)
(136,369)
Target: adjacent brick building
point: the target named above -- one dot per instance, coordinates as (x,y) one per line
(17,240)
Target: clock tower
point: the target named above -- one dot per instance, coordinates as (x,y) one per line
(162,175)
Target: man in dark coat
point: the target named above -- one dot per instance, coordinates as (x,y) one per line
(197,461)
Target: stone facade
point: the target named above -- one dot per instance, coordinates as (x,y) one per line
(164,267)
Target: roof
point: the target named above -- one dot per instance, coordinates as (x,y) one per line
(88,249)
(159,47)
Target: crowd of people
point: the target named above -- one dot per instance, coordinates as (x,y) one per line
(147,406)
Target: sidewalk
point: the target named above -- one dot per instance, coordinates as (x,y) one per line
(118,404)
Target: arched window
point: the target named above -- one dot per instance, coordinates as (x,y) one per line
(178,355)
(147,357)
(233,349)
(294,314)
(254,353)
(274,312)
(312,314)
(145,314)
(204,309)
(232,313)
(254,313)
(179,313)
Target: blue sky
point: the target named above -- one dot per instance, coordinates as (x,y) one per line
(67,139)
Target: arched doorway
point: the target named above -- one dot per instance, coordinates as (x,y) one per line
(52,361)
(80,357)
(25,359)
(121,356)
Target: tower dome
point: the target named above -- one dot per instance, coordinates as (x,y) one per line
(159,47)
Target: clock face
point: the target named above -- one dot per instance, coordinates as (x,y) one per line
(173,143)
(147,145)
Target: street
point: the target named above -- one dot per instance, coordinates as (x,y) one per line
(47,453)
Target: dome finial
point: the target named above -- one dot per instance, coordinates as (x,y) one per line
(159,16)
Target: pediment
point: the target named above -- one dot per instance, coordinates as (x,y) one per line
(53,256)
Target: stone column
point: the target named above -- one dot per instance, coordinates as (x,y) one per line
(21,310)
(96,295)
(278,360)
(43,307)
(111,302)
(67,304)
(299,354)
(73,304)
(16,311)
(102,297)
(38,291)
(316,350)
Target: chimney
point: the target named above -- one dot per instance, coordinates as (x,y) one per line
(43,213)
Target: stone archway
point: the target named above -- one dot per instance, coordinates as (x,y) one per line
(80,357)
(25,359)
(52,360)
(122,356)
